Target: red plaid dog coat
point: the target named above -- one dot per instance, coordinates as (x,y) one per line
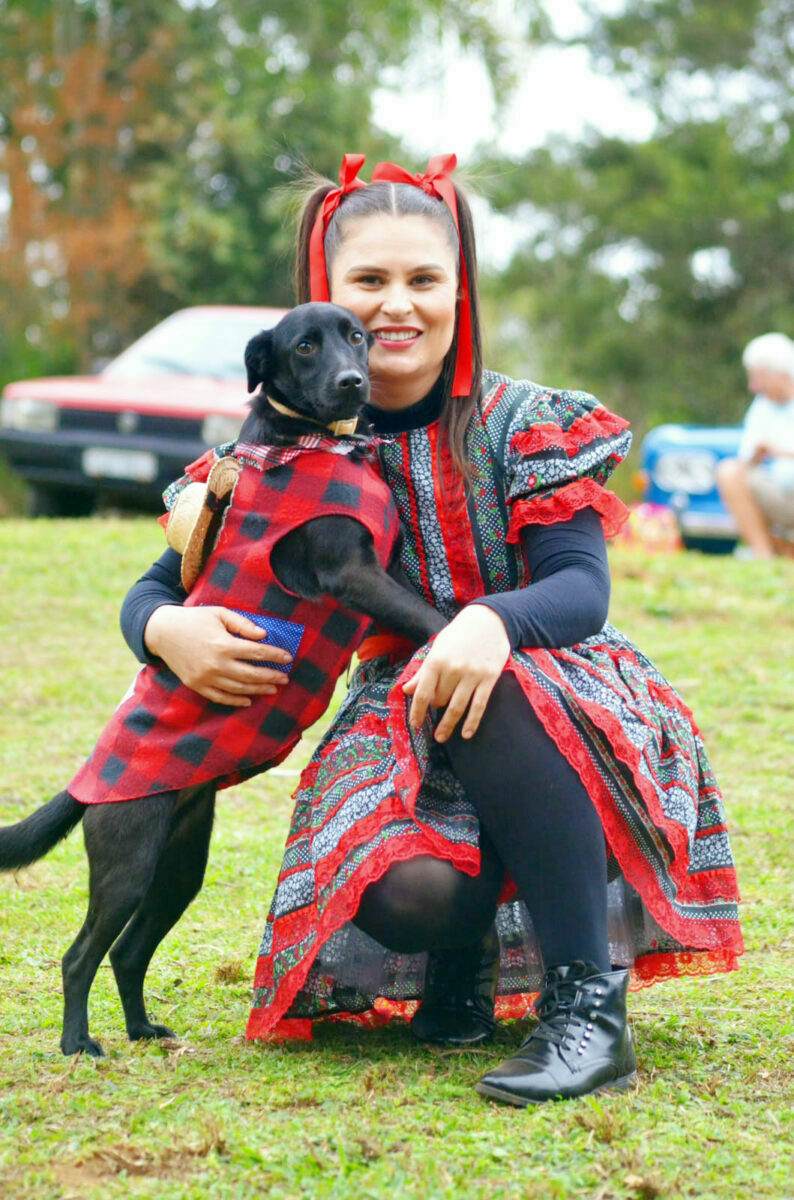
(165,736)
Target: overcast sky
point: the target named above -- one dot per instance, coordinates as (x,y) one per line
(442,101)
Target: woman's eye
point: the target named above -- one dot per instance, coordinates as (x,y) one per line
(424,279)
(356,337)
(304,348)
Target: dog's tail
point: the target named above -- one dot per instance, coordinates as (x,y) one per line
(29,840)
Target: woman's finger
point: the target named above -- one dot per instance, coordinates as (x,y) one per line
(454,710)
(425,693)
(252,679)
(243,650)
(479,702)
(218,696)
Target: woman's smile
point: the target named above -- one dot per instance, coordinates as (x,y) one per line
(395,337)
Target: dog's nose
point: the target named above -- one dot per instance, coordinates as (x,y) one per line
(349,381)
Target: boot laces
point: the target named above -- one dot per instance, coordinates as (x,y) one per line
(558,1018)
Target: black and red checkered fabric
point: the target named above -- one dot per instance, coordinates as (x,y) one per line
(165,736)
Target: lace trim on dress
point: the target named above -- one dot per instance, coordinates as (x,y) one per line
(269,1022)
(715,885)
(646,971)
(600,423)
(562,504)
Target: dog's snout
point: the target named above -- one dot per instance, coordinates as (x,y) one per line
(349,381)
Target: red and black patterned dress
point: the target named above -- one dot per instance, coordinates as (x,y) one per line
(374,793)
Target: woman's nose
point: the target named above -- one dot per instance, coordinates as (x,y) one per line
(397,301)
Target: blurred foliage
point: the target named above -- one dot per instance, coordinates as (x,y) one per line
(141,145)
(150,152)
(647,266)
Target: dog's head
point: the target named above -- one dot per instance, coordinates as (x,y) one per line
(314,361)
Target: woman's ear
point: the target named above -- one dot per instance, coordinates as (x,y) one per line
(259,359)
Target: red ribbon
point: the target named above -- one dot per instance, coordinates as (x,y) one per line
(348,182)
(437,182)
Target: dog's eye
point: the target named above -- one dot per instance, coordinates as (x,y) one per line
(304,347)
(356,337)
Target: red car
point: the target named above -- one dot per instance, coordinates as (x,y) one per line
(128,431)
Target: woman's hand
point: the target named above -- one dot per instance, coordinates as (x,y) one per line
(199,646)
(461,669)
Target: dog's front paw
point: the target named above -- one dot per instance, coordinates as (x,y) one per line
(81,1044)
(146,1031)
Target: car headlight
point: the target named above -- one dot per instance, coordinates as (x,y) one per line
(28,415)
(217,429)
(691,471)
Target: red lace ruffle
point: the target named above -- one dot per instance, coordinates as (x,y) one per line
(715,935)
(706,886)
(294,927)
(651,969)
(600,423)
(267,1022)
(562,504)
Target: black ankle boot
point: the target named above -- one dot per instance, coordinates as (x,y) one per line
(459,996)
(581,1044)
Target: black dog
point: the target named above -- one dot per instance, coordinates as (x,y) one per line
(147,857)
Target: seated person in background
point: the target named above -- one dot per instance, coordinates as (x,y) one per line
(758,485)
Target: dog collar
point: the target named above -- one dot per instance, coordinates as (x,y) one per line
(339,428)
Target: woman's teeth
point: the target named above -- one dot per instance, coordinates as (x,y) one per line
(394,335)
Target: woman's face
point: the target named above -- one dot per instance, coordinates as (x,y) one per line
(399,276)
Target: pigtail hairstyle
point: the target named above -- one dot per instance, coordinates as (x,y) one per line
(309,213)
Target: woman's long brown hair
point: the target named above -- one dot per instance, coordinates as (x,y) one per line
(400,199)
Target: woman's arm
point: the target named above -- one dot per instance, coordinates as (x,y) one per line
(161,584)
(200,645)
(568,599)
(566,602)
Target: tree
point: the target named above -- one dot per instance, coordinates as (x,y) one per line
(651,264)
(142,145)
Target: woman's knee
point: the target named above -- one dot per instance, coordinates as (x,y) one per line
(426,904)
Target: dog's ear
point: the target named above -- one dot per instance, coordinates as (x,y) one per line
(370,339)
(259,359)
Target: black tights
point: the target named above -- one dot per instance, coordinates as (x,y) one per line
(537,820)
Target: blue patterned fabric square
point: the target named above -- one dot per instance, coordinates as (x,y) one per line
(286,635)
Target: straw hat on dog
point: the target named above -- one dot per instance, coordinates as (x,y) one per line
(195,520)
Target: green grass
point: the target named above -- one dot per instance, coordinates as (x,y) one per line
(371,1114)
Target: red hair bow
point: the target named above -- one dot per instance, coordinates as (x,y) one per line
(348,182)
(437,182)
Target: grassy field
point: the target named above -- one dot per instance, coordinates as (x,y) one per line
(373,1115)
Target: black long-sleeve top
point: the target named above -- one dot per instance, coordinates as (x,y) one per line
(566,602)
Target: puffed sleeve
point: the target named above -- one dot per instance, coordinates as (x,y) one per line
(560,449)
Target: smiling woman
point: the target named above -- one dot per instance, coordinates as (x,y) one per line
(524,803)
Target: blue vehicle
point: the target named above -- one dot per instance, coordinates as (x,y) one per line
(678,465)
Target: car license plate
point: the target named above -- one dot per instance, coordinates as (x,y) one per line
(704,523)
(103,462)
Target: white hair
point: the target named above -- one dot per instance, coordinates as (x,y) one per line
(774,351)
